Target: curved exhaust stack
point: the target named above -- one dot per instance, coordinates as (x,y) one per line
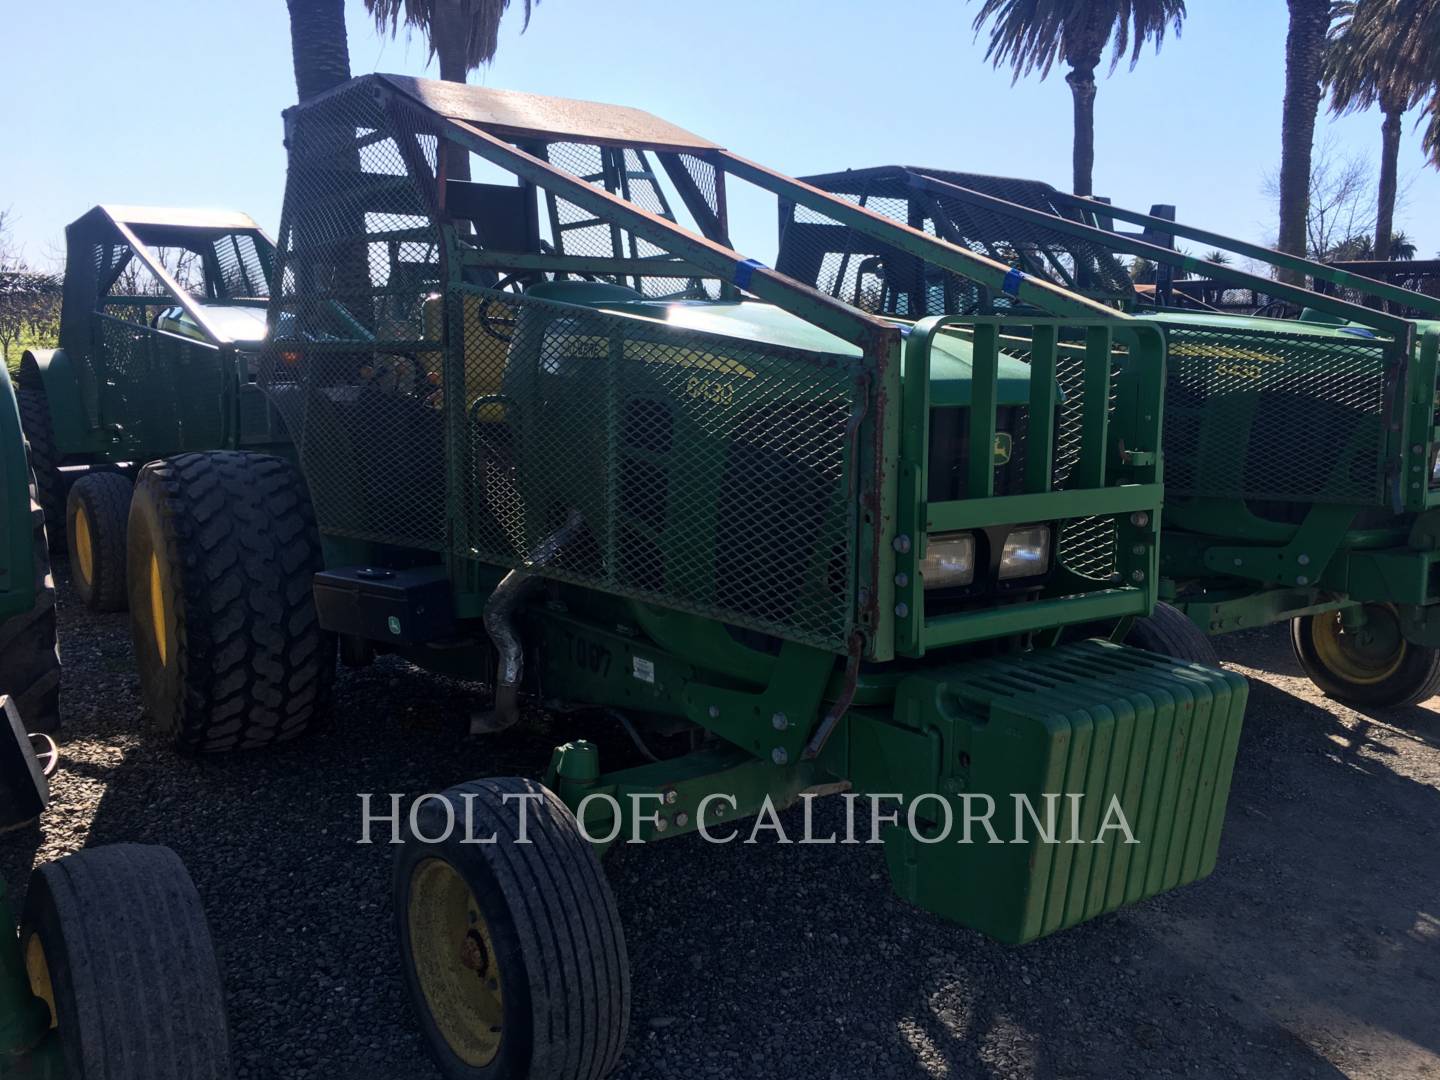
(499,617)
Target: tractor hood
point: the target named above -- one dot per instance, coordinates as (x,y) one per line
(765,324)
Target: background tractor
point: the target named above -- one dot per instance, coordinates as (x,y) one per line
(162,314)
(548,438)
(1301,478)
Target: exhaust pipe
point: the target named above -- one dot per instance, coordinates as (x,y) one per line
(499,618)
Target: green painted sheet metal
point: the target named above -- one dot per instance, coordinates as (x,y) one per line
(17,581)
(951,365)
(1095,720)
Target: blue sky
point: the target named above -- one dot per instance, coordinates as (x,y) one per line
(178,101)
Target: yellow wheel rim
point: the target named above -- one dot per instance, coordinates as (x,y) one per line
(158,626)
(84,545)
(455,962)
(38,970)
(1362,657)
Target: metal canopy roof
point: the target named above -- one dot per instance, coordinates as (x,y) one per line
(511,113)
(177,217)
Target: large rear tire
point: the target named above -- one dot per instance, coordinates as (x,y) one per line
(29,655)
(116,944)
(96,513)
(222,550)
(44,460)
(1170,632)
(1372,666)
(513,952)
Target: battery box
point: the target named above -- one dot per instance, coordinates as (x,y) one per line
(379,604)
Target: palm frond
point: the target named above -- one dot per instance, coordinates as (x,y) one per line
(1032,35)
(480,20)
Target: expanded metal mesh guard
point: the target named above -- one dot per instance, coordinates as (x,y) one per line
(703,472)
(1068,261)
(1262,415)
(354,354)
(241,270)
(879,278)
(633,175)
(166,388)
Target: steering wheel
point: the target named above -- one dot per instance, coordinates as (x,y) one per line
(1261,313)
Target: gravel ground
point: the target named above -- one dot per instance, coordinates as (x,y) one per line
(1313,951)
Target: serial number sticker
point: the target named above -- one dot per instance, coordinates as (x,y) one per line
(643,669)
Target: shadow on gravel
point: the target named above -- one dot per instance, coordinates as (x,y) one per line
(768,960)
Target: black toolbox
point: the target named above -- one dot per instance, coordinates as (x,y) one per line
(372,602)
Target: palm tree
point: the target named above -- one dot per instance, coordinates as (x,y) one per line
(1404,36)
(1031,35)
(1304,55)
(1401,246)
(1216,256)
(462,34)
(318,45)
(1363,69)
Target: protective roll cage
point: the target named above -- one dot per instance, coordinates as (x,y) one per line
(378,225)
(235,261)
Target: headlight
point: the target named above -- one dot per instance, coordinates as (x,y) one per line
(949,560)
(1026,552)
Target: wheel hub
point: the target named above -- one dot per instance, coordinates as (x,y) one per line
(84,545)
(1367,654)
(455,963)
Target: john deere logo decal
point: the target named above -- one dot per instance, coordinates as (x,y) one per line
(1002,447)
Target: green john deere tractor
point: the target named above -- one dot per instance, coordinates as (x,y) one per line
(111,938)
(162,314)
(1302,469)
(548,438)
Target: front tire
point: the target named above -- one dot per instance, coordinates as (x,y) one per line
(513,952)
(96,513)
(116,944)
(1169,632)
(1373,666)
(222,551)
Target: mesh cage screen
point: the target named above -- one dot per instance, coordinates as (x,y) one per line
(241,271)
(164,389)
(879,278)
(706,473)
(630,174)
(1085,266)
(1275,416)
(355,344)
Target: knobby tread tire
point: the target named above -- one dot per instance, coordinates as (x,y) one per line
(106,498)
(236,550)
(44,461)
(1170,632)
(137,987)
(29,654)
(562,923)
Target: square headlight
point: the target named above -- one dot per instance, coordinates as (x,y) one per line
(949,560)
(1026,552)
